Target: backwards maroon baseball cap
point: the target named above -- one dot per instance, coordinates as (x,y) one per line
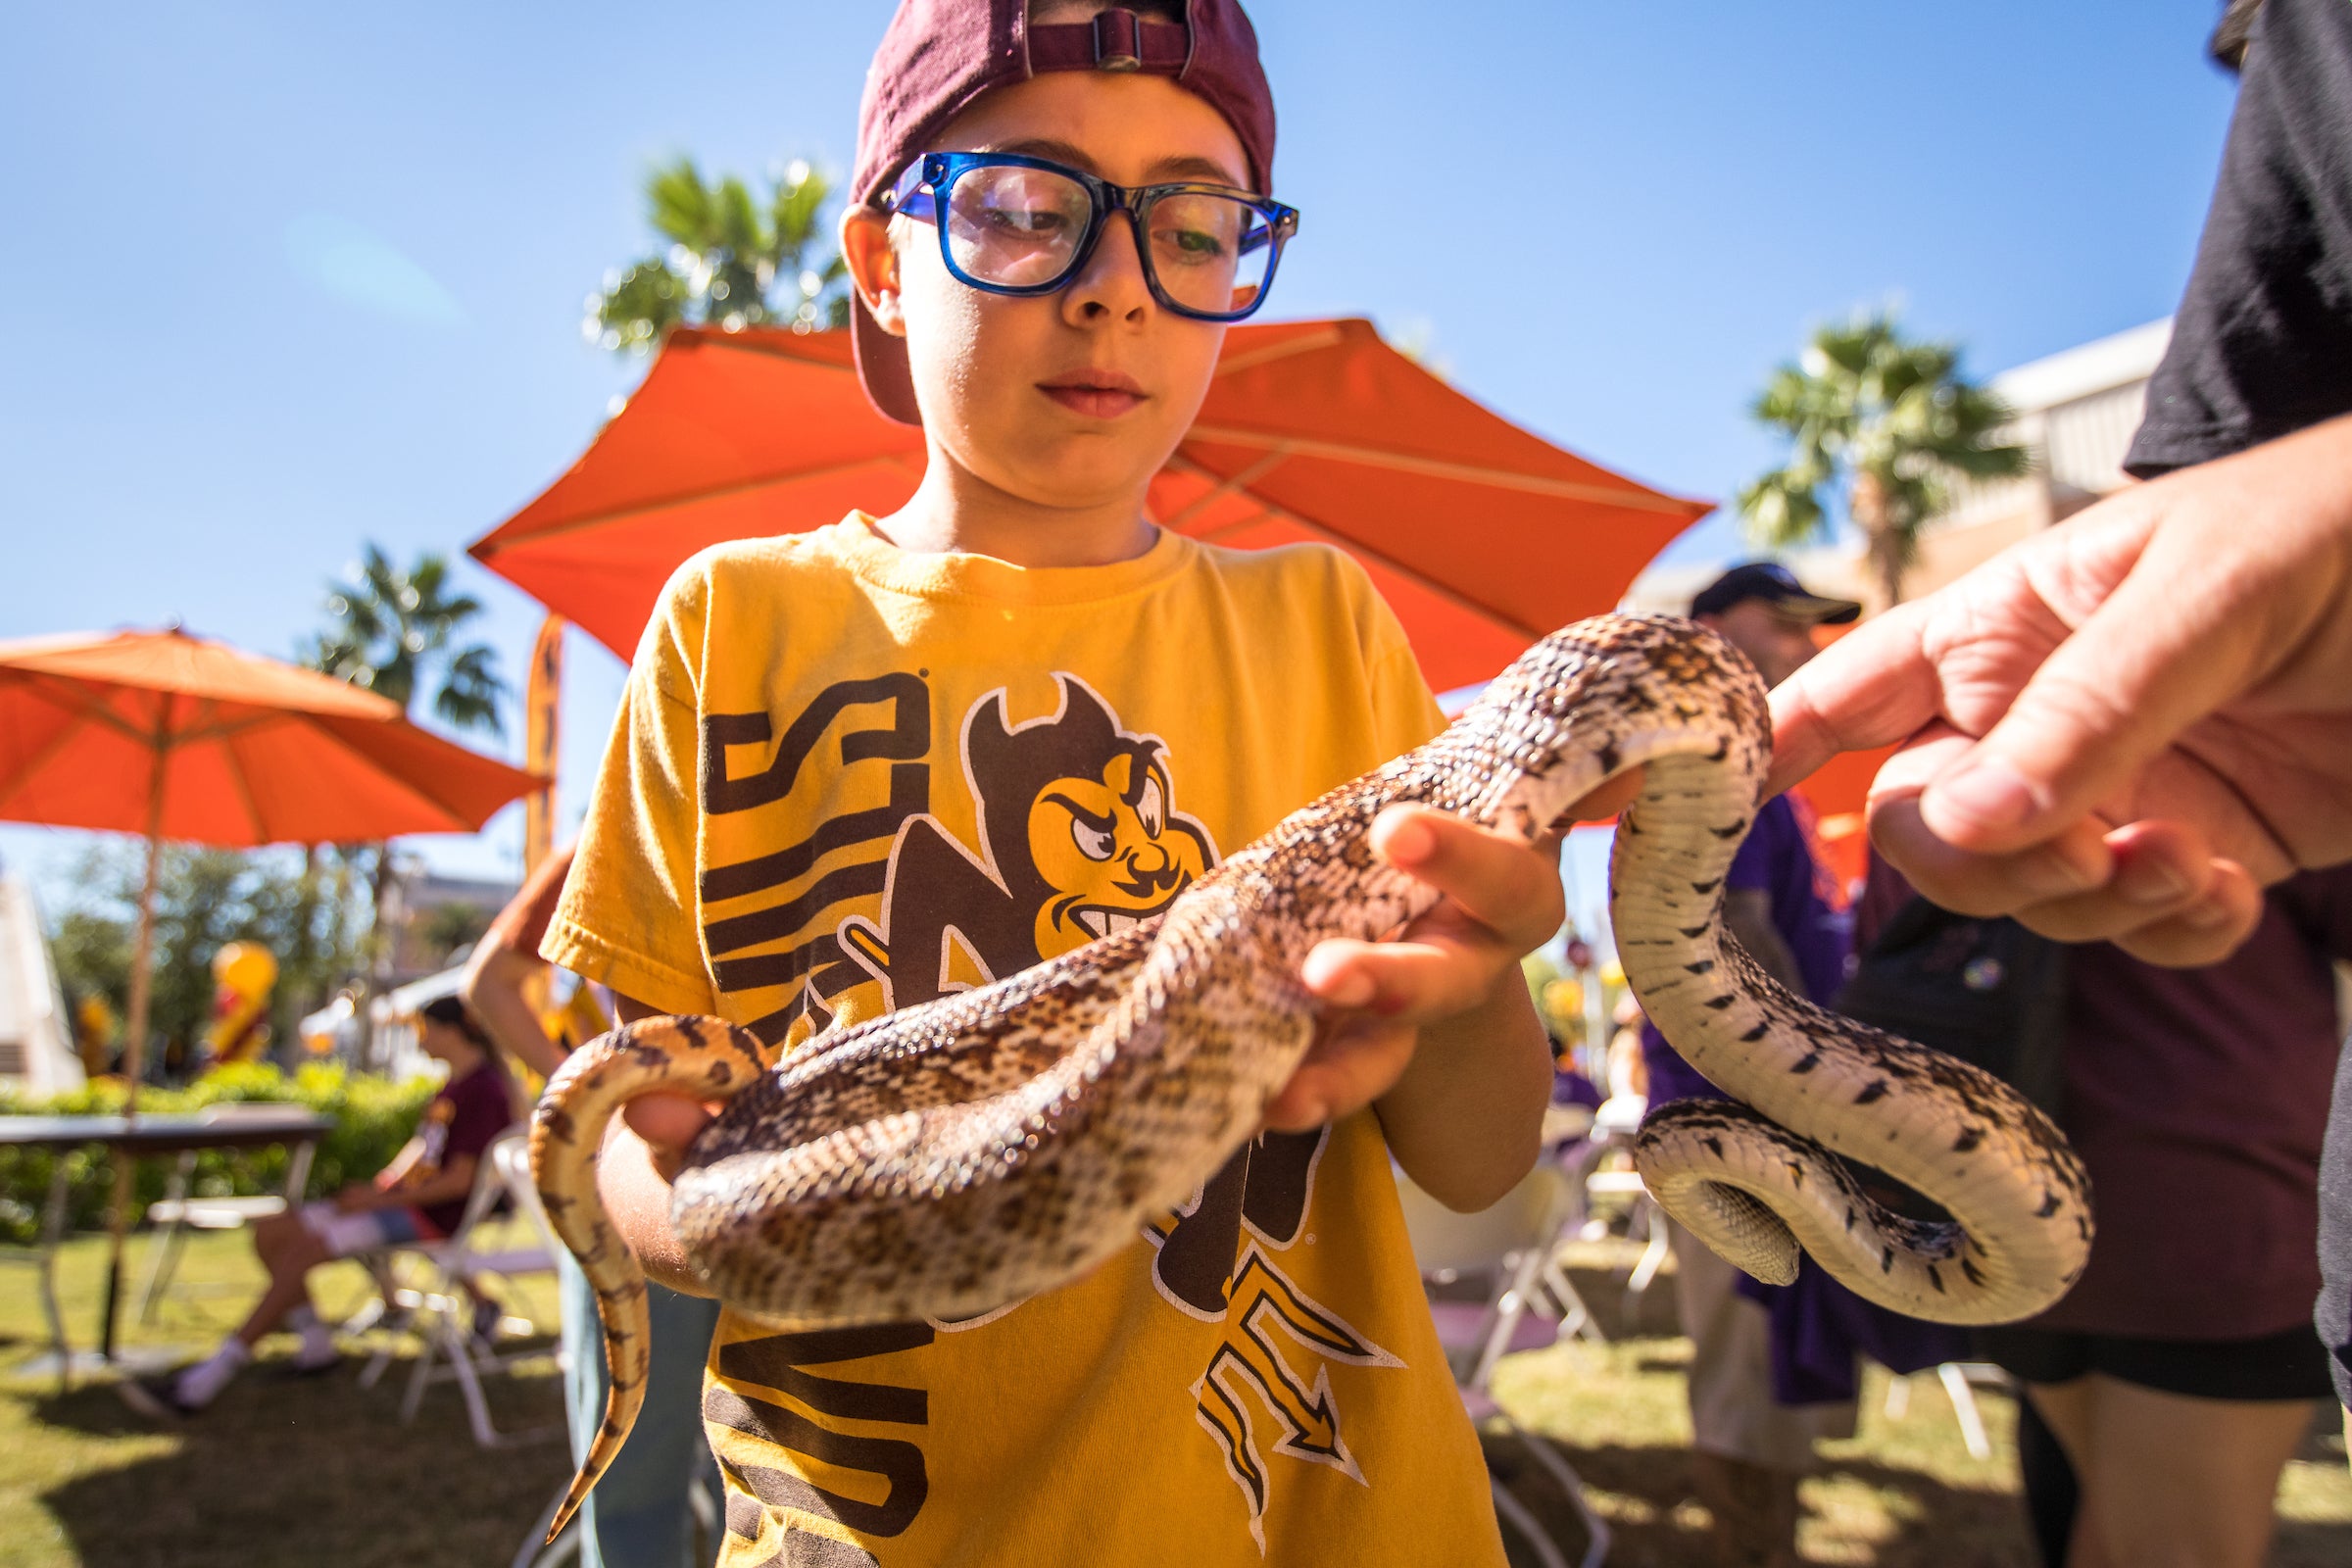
(940,55)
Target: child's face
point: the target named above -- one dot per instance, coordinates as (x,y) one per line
(1074,399)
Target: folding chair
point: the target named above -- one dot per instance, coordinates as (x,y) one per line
(1613,1128)
(1510,1245)
(1957,1378)
(178,1213)
(438,1310)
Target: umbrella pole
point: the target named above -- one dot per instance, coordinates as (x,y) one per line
(134,1051)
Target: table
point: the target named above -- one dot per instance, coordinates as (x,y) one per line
(249,1125)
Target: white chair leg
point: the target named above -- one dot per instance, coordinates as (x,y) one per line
(1515,1513)
(162,1251)
(1899,1398)
(537,1551)
(1653,1257)
(1964,1405)
(1576,1318)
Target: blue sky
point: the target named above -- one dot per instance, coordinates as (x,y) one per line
(282,278)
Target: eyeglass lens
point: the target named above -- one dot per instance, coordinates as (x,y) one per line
(1022,228)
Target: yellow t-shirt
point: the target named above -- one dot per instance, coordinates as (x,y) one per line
(847,778)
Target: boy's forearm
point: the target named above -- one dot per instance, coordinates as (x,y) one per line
(638,1199)
(1466,1119)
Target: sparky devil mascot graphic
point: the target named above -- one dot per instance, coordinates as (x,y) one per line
(1078,839)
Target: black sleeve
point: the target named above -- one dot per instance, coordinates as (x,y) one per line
(2262,344)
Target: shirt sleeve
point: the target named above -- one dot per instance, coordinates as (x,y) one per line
(2263,338)
(628,917)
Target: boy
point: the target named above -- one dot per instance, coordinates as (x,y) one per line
(420,1196)
(901,756)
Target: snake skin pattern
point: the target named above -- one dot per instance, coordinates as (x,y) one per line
(952,1158)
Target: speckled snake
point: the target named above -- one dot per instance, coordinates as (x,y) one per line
(947,1159)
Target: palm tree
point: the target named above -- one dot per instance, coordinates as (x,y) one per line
(396,634)
(731,263)
(1890,419)
(392,630)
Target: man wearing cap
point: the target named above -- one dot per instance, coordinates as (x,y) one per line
(1786,910)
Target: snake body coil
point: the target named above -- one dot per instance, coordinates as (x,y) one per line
(951,1158)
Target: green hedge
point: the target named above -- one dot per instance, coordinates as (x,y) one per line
(374,1116)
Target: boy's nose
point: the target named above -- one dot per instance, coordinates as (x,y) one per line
(1111,286)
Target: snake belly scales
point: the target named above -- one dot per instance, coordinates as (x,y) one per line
(944,1161)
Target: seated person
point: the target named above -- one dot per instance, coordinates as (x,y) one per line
(420,1196)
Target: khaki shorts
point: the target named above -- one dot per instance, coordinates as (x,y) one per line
(1733,1414)
(368,1231)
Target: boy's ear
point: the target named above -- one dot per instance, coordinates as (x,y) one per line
(873,263)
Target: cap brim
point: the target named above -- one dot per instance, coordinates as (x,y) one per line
(882,365)
(1817,610)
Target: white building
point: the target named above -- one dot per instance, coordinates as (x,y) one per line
(2076,411)
(36,1039)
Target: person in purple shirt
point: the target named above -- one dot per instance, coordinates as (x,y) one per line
(1780,905)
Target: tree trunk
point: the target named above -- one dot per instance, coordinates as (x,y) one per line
(1867,505)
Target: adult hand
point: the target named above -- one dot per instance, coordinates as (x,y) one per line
(2125,726)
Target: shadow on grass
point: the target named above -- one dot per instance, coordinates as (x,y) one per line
(1645,1496)
(287,1470)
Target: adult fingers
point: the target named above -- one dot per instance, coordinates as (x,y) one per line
(2075,863)
(2165,645)
(1871,688)
(2162,871)
(2207,932)
(1511,887)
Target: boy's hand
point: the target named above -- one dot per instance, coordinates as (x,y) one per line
(1502,900)
(358,1199)
(668,1124)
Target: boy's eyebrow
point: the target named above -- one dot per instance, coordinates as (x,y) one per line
(1187,165)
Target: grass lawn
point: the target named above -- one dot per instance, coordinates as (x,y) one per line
(309,1471)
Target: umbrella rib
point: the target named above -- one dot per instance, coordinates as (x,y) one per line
(1388,563)
(1225,487)
(483,549)
(79,699)
(1440,468)
(1306,343)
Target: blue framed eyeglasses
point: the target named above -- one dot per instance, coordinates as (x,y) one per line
(1021,225)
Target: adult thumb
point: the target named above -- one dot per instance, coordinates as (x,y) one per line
(2160,652)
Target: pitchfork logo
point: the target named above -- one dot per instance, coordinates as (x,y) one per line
(1252,1397)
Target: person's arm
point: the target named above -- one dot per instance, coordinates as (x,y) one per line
(494,983)
(642,1151)
(2120,728)
(452,1182)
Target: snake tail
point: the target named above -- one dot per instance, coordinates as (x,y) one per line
(1761,1179)
(702,1058)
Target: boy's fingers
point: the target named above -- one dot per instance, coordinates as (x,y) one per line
(667,1122)
(1353,1063)
(1508,886)
(1608,800)
(1406,980)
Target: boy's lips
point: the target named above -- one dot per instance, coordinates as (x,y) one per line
(1098,394)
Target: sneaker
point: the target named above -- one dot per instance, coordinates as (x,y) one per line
(487,1316)
(308,1363)
(156,1399)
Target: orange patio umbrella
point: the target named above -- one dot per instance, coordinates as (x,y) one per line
(1482,535)
(177,737)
